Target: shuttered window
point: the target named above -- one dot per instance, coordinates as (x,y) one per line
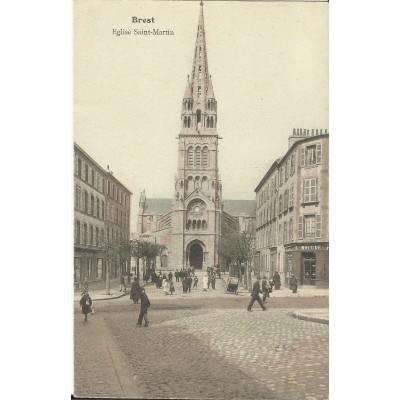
(301,227)
(318,226)
(291,195)
(310,190)
(319,153)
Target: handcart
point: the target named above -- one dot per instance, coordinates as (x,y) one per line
(232,286)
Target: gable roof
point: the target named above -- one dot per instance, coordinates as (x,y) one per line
(240,207)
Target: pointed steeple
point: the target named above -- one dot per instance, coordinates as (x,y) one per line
(188,90)
(210,90)
(199,88)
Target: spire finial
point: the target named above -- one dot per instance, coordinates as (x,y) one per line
(201,2)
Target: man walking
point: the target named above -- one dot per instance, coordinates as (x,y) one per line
(144,305)
(255,295)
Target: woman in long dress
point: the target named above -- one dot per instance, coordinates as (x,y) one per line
(205,282)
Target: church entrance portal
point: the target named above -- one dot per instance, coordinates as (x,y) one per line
(196,256)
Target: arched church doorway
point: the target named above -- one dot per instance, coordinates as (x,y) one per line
(196,256)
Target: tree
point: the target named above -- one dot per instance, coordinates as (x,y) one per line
(124,255)
(110,252)
(238,248)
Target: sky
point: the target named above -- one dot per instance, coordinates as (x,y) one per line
(269,67)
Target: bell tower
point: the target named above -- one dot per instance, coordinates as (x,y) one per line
(196,208)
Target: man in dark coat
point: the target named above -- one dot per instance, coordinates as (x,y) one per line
(86,304)
(255,295)
(189,281)
(135,291)
(184,284)
(213,281)
(144,306)
(277,281)
(293,283)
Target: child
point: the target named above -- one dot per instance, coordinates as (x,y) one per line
(86,303)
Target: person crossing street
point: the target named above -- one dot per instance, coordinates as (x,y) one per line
(255,295)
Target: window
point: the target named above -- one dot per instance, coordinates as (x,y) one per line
(97,237)
(198,156)
(292,164)
(98,208)
(280,204)
(78,197)
(79,168)
(310,190)
(281,176)
(287,170)
(86,201)
(311,155)
(86,172)
(92,210)
(92,182)
(286,200)
(291,195)
(91,235)
(290,230)
(204,158)
(85,234)
(102,209)
(310,226)
(77,232)
(190,156)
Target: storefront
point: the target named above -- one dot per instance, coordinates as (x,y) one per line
(309,263)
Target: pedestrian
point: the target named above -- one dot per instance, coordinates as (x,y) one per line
(265,288)
(205,282)
(86,304)
(165,285)
(184,284)
(213,280)
(255,295)
(170,276)
(293,284)
(176,276)
(171,286)
(195,280)
(189,282)
(277,280)
(85,285)
(144,306)
(121,282)
(135,291)
(208,281)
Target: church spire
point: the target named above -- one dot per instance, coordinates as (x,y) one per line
(199,89)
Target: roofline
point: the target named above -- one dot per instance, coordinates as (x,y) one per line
(100,167)
(280,161)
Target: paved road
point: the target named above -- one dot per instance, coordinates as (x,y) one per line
(202,349)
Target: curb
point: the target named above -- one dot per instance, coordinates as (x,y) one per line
(309,318)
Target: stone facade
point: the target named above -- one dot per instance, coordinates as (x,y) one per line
(101,212)
(292,212)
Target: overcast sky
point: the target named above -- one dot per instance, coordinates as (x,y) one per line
(269,67)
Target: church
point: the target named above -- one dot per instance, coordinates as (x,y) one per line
(191,224)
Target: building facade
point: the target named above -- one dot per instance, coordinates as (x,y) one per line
(292,211)
(101,213)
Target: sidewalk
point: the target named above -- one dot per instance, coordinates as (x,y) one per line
(97,291)
(320,315)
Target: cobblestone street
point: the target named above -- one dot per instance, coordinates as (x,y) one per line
(202,348)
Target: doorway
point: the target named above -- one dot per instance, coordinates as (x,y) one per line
(309,268)
(196,256)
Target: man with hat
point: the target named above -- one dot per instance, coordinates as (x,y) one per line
(144,306)
(255,295)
